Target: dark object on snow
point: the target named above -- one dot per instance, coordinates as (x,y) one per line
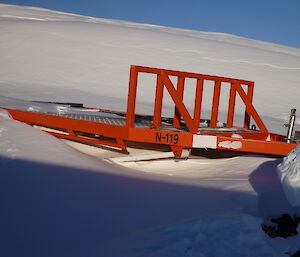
(62,103)
(285,226)
(296,254)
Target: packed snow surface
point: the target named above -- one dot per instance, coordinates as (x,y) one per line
(57,201)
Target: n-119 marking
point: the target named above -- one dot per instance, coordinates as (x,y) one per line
(167,138)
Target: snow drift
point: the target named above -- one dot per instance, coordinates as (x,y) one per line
(289,173)
(86,59)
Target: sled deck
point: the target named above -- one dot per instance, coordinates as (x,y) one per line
(182,132)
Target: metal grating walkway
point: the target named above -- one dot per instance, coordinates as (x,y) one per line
(105,118)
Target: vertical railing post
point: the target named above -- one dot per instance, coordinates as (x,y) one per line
(250,97)
(158,102)
(198,102)
(180,91)
(250,108)
(215,105)
(231,106)
(178,102)
(131,102)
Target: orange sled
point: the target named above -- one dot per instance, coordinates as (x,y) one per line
(182,132)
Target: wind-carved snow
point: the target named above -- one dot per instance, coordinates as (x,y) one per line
(252,63)
(22,18)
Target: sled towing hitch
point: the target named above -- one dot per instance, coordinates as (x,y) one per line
(290,138)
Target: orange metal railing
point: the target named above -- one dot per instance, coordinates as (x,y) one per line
(192,122)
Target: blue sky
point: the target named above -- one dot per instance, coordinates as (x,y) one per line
(275,21)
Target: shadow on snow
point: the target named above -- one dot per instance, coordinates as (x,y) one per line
(49,210)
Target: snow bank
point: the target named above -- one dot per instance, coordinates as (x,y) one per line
(52,56)
(289,173)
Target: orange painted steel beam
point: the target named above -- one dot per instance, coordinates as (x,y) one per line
(179,104)
(158,102)
(161,137)
(231,106)
(198,102)
(131,100)
(254,146)
(250,97)
(189,75)
(180,92)
(250,109)
(68,124)
(215,104)
(120,144)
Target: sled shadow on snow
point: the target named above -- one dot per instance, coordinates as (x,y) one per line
(50,210)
